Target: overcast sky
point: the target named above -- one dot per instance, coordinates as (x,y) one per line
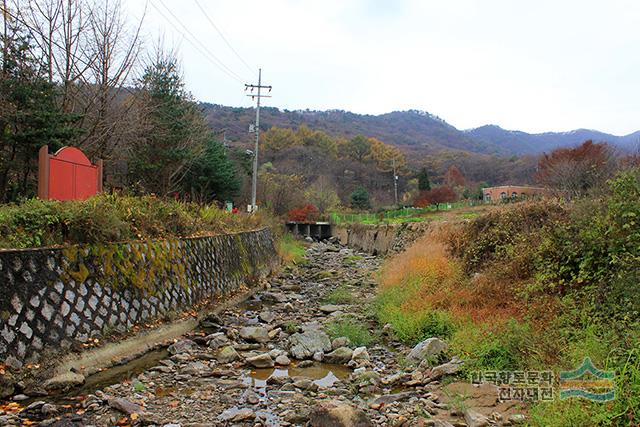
(543,65)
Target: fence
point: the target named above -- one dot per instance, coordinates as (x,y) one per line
(398,214)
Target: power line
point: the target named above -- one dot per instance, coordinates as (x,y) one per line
(215,27)
(204,50)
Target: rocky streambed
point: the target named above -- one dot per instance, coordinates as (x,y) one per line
(271,362)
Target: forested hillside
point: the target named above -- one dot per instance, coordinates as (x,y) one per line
(414,131)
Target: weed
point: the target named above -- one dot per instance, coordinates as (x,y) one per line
(340,295)
(291,327)
(357,332)
(291,250)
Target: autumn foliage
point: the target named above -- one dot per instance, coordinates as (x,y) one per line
(305,213)
(576,171)
(443,194)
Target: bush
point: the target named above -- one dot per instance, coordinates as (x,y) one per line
(110,218)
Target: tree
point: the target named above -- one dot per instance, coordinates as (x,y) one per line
(173,132)
(29,117)
(358,148)
(442,194)
(212,175)
(360,198)
(576,171)
(423,180)
(453,177)
(322,195)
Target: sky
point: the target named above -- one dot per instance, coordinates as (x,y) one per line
(535,66)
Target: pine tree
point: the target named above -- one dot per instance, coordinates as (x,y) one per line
(423,180)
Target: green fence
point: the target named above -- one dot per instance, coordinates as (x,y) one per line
(398,215)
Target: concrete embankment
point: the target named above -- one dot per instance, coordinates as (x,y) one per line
(379,239)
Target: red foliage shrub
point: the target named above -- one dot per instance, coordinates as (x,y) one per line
(305,213)
(443,194)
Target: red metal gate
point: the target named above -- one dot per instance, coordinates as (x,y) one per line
(67,175)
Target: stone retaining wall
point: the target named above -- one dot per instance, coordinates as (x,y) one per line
(53,298)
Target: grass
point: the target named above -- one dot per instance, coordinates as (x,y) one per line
(112,218)
(340,295)
(291,250)
(357,332)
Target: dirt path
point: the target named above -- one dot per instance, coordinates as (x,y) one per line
(269,362)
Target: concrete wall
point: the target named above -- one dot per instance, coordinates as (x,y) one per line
(379,239)
(51,298)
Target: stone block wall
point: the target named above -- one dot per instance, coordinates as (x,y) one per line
(380,239)
(51,298)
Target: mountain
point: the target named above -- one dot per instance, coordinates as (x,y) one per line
(416,132)
(519,143)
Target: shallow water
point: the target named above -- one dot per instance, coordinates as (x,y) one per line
(322,374)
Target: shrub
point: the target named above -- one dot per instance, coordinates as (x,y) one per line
(303,214)
(360,199)
(109,218)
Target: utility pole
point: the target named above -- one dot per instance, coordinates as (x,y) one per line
(395,181)
(254,178)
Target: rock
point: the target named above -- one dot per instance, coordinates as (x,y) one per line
(475,419)
(448,368)
(340,342)
(7,385)
(182,346)
(64,381)
(124,406)
(260,361)
(305,364)
(360,354)
(13,363)
(49,410)
(318,356)
(390,398)
(227,355)
(251,397)
(339,356)
(304,345)
(266,316)
(282,360)
(255,334)
(517,419)
(217,340)
(196,368)
(237,415)
(429,349)
(334,413)
(20,397)
(288,307)
(305,384)
(274,296)
(329,308)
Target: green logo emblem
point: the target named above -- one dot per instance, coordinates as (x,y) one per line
(587,382)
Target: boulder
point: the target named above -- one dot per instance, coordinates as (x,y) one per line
(217,340)
(227,354)
(334,413)
(255,334)
(475,419)
(448,368)
(340,342)
(429,349)
(237,415)
(282,360)
(339,355)
(182,346)
(304,345)
(260,361)
(329,308)
(266,316)
(124,406)
(360,354)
